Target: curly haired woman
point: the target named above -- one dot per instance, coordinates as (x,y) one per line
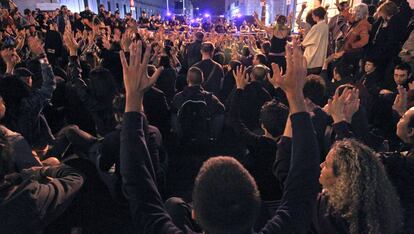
(357,195)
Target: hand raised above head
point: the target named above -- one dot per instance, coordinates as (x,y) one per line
(240,76)
(136,79)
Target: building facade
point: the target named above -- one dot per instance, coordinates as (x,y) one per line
(237,8)
(124,6)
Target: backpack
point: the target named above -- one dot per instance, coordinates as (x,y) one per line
(194,121)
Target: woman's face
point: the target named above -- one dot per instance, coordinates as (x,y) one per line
(327,177)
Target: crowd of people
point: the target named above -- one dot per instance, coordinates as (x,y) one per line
(151,125)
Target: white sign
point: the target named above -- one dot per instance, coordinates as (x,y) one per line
(46,6)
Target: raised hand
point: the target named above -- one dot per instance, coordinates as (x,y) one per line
(11,58)
(70,43)
(351,104)
(400,102)
(240,76)
(343,106)
(277,76)
(136,79)
(36,46)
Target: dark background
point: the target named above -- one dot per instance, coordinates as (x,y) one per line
(213,7)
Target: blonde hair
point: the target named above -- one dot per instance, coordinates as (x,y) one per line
(363,195)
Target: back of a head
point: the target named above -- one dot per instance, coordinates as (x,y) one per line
(225,196)
(309,18)
(315,89)
(346,71)
(266,47)
(102,85)
(199,36)
(319,12)
(259,72)
(362,193)
(262,58)
(195,76)
(219,58)
(273,116)
(165,61)
(207,48)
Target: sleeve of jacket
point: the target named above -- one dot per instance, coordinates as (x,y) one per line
(53,197)
(247,136)
(74,73)
(301,186)
(36,102)
(146,206)
(282,163)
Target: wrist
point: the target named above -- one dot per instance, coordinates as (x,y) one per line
(340,118)
(73,53)
(134,103)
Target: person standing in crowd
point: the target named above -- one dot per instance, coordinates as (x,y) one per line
(338,27)
(316,42)
(212,71)
(279,35)
(356,37)
(62,19)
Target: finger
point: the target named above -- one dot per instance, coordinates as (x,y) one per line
(123,59)
(397,99)
(147,55)
(234,74)
(132,54)
(276,69)
(139,53)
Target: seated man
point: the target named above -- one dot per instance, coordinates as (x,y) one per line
(194,92)
(32,198)
(225,196)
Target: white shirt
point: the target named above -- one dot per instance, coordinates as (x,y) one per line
(316,44)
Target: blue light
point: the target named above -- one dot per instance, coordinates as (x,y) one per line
(168,14)
(206,15)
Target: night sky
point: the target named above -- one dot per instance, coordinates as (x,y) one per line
(215,7)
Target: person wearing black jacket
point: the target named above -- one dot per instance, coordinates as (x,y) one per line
(34,198)
(234,205)
(193,50)
(254,96)
(212,71)
(262,148)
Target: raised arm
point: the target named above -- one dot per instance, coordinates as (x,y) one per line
(138,177)
(247,136)
(269,30)
(301,185)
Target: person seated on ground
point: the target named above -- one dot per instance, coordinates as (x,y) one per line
(235,203)
(24,104)
(370,79)
(262,148)
(254,96)
(402,76)
(195,92)
(385,209)
(98,94)
(33,198)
